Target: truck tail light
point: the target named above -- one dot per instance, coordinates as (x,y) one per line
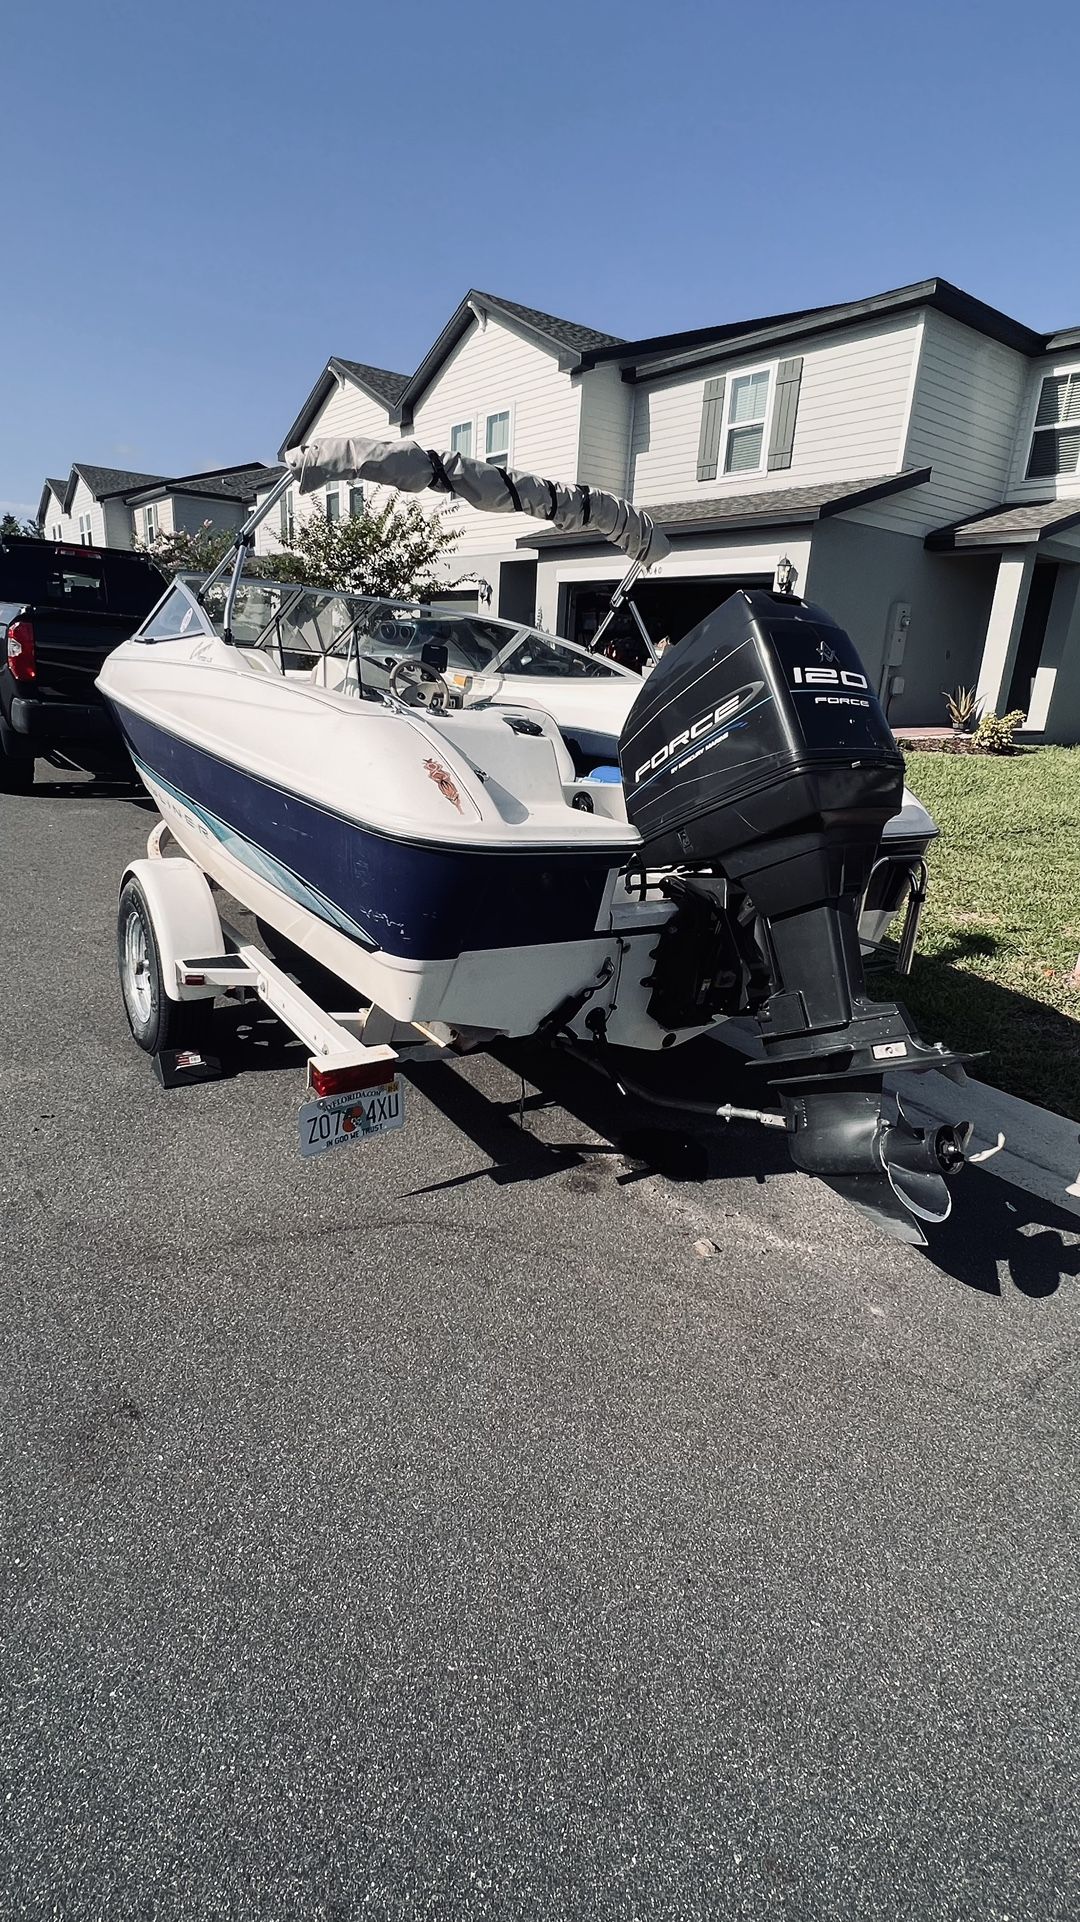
(20,651)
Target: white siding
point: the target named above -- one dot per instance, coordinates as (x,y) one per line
(163,518)
(346,411)
(968,391)
(724,556)
(607,409)
(84,503)
(491,369)
(1054,486)
(850,424)
(54,522)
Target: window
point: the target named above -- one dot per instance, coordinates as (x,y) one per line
(56,532)
(333,503)
(1055,442)
(77,587)
(84,530)
(356,503)
(497,439)
(461,439)
(149,524)
(285,516)
(745,434)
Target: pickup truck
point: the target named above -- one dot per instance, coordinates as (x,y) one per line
(62,610)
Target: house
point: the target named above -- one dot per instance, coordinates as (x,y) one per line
(348,398)
(89,508)
(496,383)
(913,456)
(113,507)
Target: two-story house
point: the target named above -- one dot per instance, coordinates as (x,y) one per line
(498,385)
(113,507)
(914,457)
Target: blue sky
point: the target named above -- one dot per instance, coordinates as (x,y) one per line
(200,204)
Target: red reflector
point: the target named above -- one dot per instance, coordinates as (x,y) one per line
(371,1074)
(194,980)
(20,651)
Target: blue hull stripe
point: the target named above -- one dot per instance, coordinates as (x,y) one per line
(261,863)
(422,903)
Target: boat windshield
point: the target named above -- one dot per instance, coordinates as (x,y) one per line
(299,625)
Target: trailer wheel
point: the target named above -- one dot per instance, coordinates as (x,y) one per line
(155,1021)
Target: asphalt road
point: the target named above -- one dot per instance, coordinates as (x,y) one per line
(429,1531)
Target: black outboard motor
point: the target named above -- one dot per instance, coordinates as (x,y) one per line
(758,761)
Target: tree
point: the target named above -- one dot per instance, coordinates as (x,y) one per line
(184,553)
(27,530)
(390,551)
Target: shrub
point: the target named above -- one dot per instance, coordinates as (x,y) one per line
(392,551)
(188,553)
(994,734)
(963,706)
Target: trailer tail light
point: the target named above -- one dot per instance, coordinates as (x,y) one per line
(20,651)
(372,1074)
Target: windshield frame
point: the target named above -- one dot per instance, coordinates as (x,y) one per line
(347,643)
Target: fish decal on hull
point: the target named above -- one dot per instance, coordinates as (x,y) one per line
(444,782)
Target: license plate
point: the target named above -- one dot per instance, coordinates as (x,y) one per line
(340,1120)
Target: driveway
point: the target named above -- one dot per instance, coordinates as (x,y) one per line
(430,1530)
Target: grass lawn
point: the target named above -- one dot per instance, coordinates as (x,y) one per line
(1001,931)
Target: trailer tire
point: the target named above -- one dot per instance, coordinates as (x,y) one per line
(156,1021)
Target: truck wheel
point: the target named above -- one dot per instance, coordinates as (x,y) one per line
(16,764)
(155,1021)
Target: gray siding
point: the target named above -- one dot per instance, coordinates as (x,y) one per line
(859,573)
(188,513)
(968,391)
(850,421)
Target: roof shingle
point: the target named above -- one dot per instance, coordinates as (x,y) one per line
(565,333)
(774,506)
(1016,521)
(386,385)
(104,481)
(231,483)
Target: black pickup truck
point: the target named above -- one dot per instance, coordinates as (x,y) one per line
(62,609)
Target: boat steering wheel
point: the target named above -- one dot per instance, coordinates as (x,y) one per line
(425,685)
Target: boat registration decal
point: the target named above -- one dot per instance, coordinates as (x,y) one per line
(444,781)
(340,1120)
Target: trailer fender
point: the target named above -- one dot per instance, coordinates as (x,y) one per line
(184,916)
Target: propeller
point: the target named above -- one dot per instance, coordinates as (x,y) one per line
(916,1162)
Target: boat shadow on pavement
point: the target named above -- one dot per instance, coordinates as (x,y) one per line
(995,1227)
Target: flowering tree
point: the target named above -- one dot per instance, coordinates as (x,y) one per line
(183,553)
(392,551)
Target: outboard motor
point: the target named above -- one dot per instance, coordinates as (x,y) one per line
(758,761)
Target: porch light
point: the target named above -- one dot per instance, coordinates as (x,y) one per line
(784,578)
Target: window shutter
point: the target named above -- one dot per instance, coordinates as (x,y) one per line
(712,414)
(782,441)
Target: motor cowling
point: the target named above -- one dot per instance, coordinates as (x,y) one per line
(758,751)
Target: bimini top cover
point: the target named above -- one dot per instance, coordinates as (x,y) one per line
(494,490)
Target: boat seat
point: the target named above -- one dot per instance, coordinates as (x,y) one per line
(259,661)
(591,750)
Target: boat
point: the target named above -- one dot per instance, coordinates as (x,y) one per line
(480,826)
